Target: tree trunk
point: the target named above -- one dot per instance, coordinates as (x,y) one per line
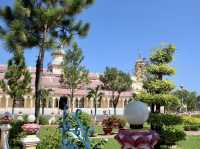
(38,81)
(39,72)
(13,106)
(95,108)
(71,101)
(115,111)
(43,105)
(115,103)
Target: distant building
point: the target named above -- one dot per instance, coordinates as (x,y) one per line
(50,80)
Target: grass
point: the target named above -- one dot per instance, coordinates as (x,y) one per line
(191,142)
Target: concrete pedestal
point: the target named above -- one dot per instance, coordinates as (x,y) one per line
(4,135)
(130,139)
(30,142)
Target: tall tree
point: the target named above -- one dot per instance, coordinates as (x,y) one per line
(45,24)
(74,73)
(117,82)
(96,95)
(17,79)
(157,90)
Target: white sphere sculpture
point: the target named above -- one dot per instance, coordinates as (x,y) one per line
(31,118)
(136,112)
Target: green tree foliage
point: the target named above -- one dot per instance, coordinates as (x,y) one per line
(117,82)
(44,24)
(187,98)
(74,73)
(17,79)
(157,90)
(96,95)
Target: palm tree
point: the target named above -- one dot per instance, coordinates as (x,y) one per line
(44,95)
(96,94)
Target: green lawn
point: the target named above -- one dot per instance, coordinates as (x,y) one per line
(191,142)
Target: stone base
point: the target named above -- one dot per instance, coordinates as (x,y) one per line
(136,126)
(30,142)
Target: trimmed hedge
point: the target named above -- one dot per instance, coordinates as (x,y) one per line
(165,119)
(189,120)
(170,135)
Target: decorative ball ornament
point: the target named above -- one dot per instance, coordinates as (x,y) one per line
(136,112)
(31,118)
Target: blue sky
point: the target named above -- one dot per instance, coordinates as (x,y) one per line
(122,28)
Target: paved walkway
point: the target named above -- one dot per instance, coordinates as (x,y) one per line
(193,133)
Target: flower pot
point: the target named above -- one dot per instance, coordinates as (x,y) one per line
(107,131)
(31,128)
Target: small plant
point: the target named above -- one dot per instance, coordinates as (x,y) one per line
(15,134)
(49,138)
(43,120)
(107,122)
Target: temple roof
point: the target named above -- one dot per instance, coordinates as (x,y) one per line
(51,81)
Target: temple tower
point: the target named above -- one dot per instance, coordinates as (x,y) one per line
(57,61)
(140,69)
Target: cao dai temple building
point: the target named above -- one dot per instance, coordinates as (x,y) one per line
(50,80)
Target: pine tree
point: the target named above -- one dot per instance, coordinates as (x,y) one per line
(117,82)
(44,24)
(17,80)
(158,92)
(74,73)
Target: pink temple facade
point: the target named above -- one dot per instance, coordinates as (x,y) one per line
(50,80)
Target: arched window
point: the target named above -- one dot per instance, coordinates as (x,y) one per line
(56,100)
(99,103)
(82,102)
(76,103)
(110,103)
(125,102)
(50,103)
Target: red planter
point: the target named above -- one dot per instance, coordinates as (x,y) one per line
(107,131)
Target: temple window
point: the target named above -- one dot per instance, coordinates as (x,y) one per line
(99,103)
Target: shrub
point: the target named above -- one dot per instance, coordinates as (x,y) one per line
(86,119)
(122,122)
(170,135)
(188,120)
(165,119)
(43,120)
(15,134)
(50,138)
(191,127)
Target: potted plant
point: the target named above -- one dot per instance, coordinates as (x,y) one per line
(107,124)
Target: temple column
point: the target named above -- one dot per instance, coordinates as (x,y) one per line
(6,97)
(53,102)
(31,103)
(91,103)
